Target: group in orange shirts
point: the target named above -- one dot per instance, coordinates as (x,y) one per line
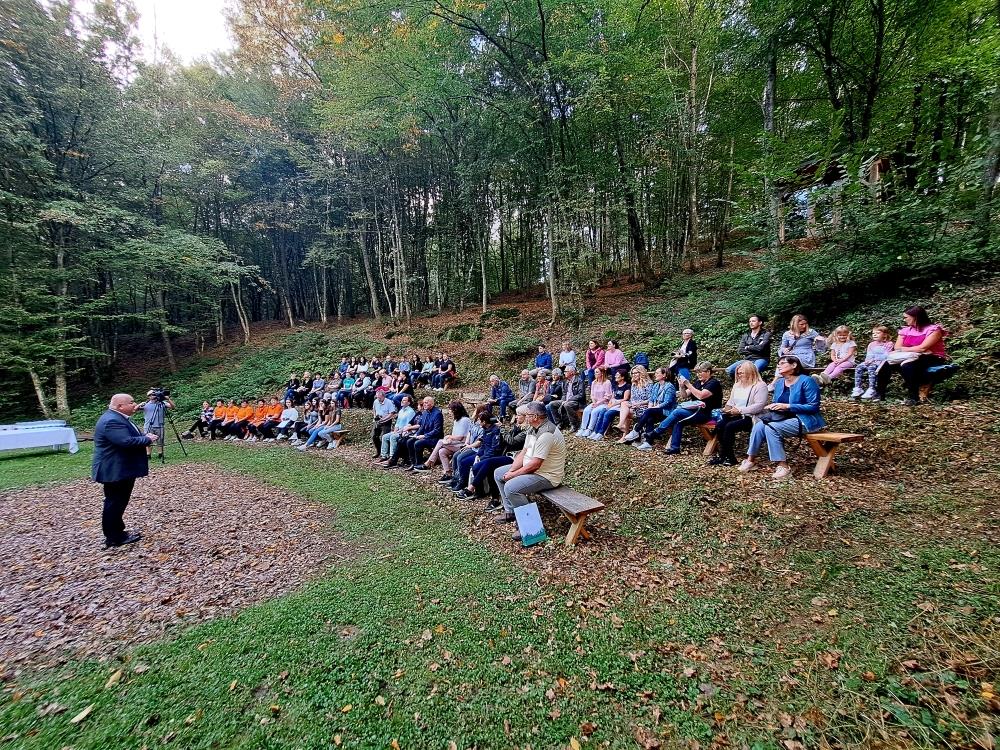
(245,421)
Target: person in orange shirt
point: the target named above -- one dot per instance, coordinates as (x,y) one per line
(219,418)
(258,418)
(238,427)
(272,418)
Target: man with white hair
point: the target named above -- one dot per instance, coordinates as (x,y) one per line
(119,459)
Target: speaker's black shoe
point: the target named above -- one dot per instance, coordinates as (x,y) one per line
(130,537)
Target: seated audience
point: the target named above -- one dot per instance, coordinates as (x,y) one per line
(614,359)
(543,360)
(563,411)
(876,354)
(430,429)
(747,399)
(843,349)
(290,415)
(620,391)
(482,481)
(686,354)
(384,413)
(793,412)
(755,346)
(489,445)
(327,429)
(593,359)
(224,416)
(662,400)
(401,426)
(638,401)
(451,444)
(702,396)
(600,395)
(540,465)
(501,396)
(525,388)
(203,422)
(799,341)
(567,356)
(919,346)
(238,427)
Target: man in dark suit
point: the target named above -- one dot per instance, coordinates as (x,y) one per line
(119,458)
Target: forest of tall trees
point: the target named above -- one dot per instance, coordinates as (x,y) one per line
(387,158)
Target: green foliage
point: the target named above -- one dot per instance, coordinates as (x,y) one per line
(463,332)
(499,315)
(518,345)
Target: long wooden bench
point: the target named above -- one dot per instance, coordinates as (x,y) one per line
(825,445)
(576,507)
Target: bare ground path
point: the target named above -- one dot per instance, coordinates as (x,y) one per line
(214,543)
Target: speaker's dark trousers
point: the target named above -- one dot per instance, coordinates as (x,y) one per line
(116,497)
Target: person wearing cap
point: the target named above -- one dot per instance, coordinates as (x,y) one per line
(501,396)
(562,411)
(540,465)
(686,355)
(153,413)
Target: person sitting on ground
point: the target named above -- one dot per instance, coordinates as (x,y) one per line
(451,444)
(614,360)
(593,359)
(289,416)
(843,349)
(543,360)
(327,429)
(662,401)
(501,396)
(539,466)
(919,346)
(747,399)
(877,353)
(203,422)
(567,355)
(363,365)
(563,411)
(384,411)
(703,395)
(600,394)
(238,427)
(489,447)
(799,341)
(620,393)
(793,412)
(430,429)
(525,388)
(401,426)
(755,346)
(686,355)
(637,403)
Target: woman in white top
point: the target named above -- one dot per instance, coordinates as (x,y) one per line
(451,444)
(289,416)
(747,399)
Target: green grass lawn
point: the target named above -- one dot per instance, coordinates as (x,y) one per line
(426,638)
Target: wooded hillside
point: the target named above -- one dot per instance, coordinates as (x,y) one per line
(386,159)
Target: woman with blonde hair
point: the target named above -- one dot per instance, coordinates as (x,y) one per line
(638,401)
(747,399)
(799,341)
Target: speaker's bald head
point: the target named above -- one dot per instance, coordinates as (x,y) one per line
(123,403)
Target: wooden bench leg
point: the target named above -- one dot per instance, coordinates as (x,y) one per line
(711,440)
(576,528)
(824,464)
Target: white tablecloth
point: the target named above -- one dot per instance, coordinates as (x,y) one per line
(38,437)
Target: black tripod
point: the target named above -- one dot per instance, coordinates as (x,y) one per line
(161,415)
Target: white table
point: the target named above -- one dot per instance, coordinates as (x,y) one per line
(49,434)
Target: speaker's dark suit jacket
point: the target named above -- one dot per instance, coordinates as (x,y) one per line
(119,449)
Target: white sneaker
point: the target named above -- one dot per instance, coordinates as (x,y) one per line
(282,436)
(583,433)
(596,437)
(644,446)
(782,472)
(869,394)
(301,447)
(331,446)
(633,435)
(856,393)
(747,465)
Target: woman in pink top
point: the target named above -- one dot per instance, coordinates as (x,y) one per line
(593,359)
(926,341)
(614,360)
(600,395)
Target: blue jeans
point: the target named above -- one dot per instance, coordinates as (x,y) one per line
(482,475)
(760,364)
(674,424)
(605,420)
(774,433)
(591,415)
(318,433)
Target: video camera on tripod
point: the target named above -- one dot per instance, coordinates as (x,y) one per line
(160,398)
(159,395)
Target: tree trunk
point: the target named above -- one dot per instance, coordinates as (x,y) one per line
(43,401)
(770,187)
(241,313)
(160,298)
(366,262)
(991,165)
(551,263)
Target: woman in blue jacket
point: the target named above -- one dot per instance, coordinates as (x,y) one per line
(793,412)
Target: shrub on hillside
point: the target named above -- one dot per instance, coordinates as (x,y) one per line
(464,332)
(517,344)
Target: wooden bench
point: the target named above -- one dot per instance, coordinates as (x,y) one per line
(576,507)
(711,439)
(825,445)
(474,399)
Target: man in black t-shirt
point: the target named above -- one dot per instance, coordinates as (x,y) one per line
(695,401)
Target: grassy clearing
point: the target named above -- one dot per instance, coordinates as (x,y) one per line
(429,638)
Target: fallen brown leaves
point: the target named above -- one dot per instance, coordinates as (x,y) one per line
(202,555)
